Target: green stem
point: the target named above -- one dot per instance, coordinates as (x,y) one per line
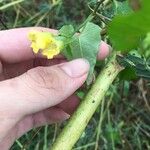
(76,125)
(97,6)
(91,16)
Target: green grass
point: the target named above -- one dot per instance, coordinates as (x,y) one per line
(122,121)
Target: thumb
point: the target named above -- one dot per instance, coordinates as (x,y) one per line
(42,87)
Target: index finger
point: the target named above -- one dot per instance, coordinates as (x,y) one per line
(15,46)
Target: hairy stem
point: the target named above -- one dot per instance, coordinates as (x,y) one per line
(76,125)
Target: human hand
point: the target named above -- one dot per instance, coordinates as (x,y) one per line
(35,91)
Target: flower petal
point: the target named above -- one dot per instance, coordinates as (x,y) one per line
(46,42)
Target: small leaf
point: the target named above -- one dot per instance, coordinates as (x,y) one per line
(67,31)
(86,45)
(67,52)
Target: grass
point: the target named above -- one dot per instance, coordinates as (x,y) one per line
(122,121)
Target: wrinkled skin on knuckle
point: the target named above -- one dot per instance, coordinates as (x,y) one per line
(46,78)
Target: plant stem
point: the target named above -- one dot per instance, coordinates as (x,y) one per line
(91,16)
(3,24)
(99,2)
(76,125)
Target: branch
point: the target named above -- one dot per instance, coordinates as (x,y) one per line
(76,125)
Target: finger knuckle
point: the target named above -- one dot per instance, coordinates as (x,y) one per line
(45,78)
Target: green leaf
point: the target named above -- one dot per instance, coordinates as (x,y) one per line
(128,74)
(126,32)
(85,45)
(67,31)
(146,46)
(139,65)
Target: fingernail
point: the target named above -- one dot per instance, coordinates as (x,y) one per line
(104,51)
(76,68)
(66,116)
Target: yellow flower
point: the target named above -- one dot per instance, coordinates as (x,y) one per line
(46,43)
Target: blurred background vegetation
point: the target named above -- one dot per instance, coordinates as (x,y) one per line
(122,121)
